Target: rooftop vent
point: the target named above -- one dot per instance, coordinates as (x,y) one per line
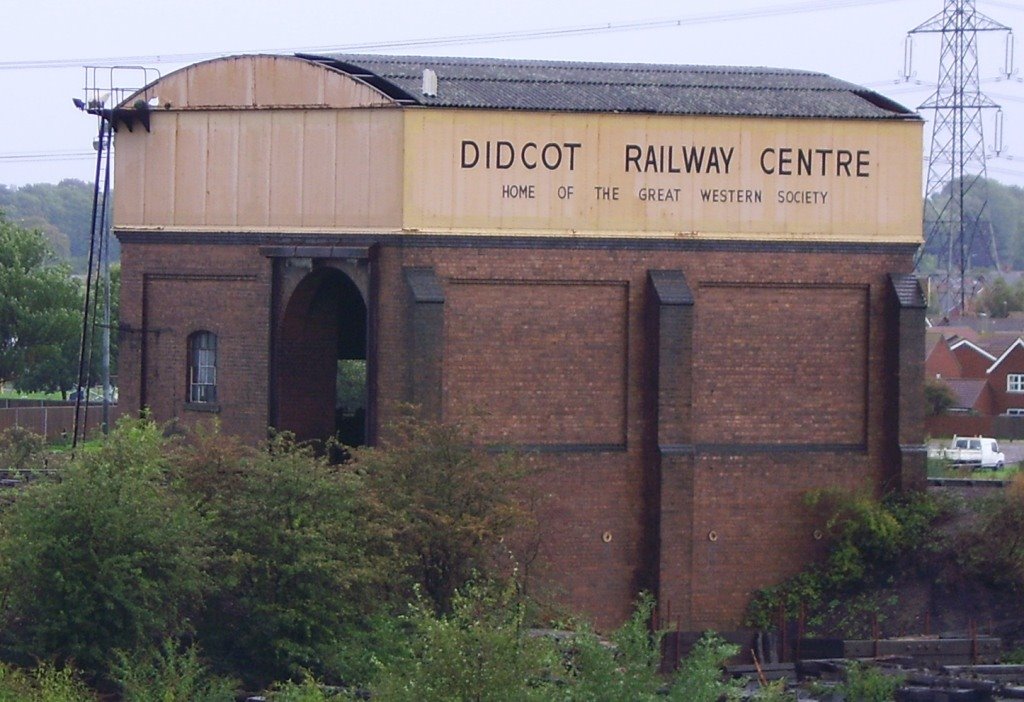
(429,82)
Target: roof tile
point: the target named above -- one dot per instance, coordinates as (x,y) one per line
(616,87)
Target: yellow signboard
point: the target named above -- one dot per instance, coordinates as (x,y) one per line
(665,176)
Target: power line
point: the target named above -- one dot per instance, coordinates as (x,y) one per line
(40,156)
(464,39)
(960,240)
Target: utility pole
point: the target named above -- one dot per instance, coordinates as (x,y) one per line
(957,230)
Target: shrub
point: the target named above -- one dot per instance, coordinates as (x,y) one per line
(994,551)
(478,651)
(867,684)
(169,674)
(938,396)
(47,683)
(105,557)
(774,692)
(868,542)
(482,651)
(20,450)
(699,678)
(309,690)
(299,560)
(452,503)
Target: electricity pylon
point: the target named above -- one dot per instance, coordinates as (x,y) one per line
(959,236)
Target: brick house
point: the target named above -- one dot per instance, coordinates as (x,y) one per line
(982,361)
(974,360)
(1006,380)
(648,276)
(940,361)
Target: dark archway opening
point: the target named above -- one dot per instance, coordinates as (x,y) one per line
(321,372)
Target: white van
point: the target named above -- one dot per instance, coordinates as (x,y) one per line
(975,451)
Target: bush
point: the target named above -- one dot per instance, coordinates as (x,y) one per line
(869,541)
(46,683)
(867,684)
(452,504)
(309,690)
(298,557)
(994,551)
(481,650)
(106,557)
(20,450)
(699,678)
(168,674)
(938,397)
(478,651)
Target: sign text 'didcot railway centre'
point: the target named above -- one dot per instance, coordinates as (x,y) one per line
(667,175)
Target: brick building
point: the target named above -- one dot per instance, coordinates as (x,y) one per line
(686,289)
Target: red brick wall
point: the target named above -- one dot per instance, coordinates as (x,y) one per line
(942,362)
(972,363)
(1002,398)
(547,359)
(781,363)
(551,346)
(169,292)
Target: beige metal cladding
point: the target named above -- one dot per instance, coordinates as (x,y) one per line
(285,144)
(240,82)
(663,175)
(260,142)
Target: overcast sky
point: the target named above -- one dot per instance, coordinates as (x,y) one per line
(46,43)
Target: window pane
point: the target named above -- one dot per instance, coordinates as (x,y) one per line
(202,367)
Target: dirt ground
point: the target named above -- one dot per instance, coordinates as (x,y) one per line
(938,595)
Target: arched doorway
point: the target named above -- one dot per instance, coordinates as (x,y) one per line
(321,360)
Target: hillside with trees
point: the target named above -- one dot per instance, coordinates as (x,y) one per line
(41,311)
(1004,212)
(62,212)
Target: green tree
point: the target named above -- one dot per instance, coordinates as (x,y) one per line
(1003,209)
(938,396)
(66,208)
(39,313)
(106,557)
(300,561)
(999,298)
(454,504)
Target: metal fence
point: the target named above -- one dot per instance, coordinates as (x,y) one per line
(52,420)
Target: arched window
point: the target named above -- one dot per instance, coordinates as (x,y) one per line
(202,367)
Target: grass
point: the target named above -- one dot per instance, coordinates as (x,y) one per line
(14,395)
(937,468)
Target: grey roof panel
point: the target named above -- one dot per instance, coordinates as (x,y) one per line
(613,87)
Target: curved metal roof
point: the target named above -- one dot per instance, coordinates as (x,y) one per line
(615,87)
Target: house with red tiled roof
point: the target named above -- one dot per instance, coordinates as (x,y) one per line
(974,361)
(982,363)
(1006,379)
(940,361)
(972,396)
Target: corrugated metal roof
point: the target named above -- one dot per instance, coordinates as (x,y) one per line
(616,87)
